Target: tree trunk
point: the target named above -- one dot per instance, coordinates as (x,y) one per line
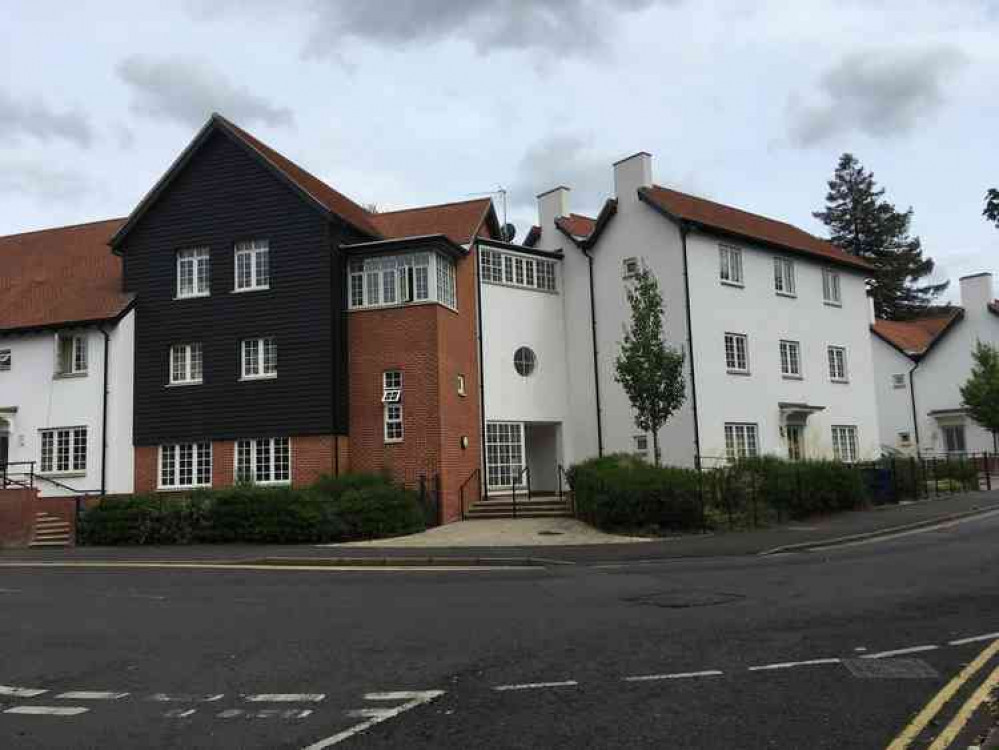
(655,446)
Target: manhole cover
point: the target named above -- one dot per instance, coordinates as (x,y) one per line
(550,533)
(890,669)
(685,599)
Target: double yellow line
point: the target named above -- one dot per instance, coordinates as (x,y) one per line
(964,714)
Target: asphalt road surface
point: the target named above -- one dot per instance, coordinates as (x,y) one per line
(833,649)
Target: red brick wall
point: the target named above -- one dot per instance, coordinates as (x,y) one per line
(17,516)
(146,458)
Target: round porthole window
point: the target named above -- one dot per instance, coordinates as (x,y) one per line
(524,361)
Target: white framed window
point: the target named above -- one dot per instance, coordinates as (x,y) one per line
(491,265)
(898,380)
(259,358)
(844,439)
(790,359)
(630,268)
(784,276)
(446,290)
(546,275)
(185,466)
(393,423)
(953,438)
(730,265)
(263,461)
(397,279)
(641,443)
(517,270)
(504,453)
(392,409)
(64,450)
(837,364)
(741,440)
(737,353)
(193,272)
(391,386)
(253,267)
(71,354)
(185,364)
(830,287)
(5,360)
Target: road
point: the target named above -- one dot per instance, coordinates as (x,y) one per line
(746,652)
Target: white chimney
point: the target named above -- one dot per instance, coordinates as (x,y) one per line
(976,292)
(551,205)
(630,174)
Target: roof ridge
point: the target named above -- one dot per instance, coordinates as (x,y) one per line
(432,205)
(60,228)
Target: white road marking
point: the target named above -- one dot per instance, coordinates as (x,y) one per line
(277,568)
(974,639)
(674,676)
(91,695)
(185,698)
(412,698)
(535,685)
(790,664)
(900,652)
(47,710)
(20,692)
(266,713)
(180,713)
(10,591)
(285,698)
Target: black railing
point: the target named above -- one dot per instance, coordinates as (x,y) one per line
(464,488)
(563,483)
(526,471)
(17,475)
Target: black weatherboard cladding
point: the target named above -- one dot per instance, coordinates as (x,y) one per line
(224,194)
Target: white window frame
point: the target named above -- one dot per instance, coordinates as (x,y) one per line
(839,371)
(790,359)
(491,266)
(393,429)
(191,354)
(516,270)
(641,443)
(742,440)
(630,268)
(57,444)
(248,455)
(259,348)
(961,429)
(832,293)
(730,265)
(898,380)
(784,280)
(739,346)
(505,453)
(200,455)
(845,443)
(257,254)
(76,363)
(201,272)
(396,280)
(6,360)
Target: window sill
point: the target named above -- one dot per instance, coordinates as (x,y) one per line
(248,378)
(184,384)
(789,295)
(736,284)
(744,373)
(829,303)
(69,375)
(184,488)
(178,297)
(250,289)
(399,305)
(394,442)
(62,474)
(792,377)
(526,288)
(841,381)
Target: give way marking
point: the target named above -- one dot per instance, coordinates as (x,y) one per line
(375,716)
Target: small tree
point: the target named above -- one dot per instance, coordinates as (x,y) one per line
(980,393)
(649,370)
(991,211)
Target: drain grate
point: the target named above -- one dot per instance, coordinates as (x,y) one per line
(891,669)
(684,599)
(546,532)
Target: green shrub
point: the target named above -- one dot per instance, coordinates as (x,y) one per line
(143,519)
(379,511)
(334,487)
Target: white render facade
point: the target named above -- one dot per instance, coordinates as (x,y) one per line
(52,411)
(797,399)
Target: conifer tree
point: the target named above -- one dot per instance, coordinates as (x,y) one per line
(980,393)
(991,211)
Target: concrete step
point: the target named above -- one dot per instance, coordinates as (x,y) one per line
(55,543)
(51,531)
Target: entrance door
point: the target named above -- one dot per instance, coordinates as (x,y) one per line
(504,454)
(795,441)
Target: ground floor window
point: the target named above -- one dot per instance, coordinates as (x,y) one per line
(263,461)
(844,439)
(64,450)
(185,465)
(741,440)
(504,453)
(953,437)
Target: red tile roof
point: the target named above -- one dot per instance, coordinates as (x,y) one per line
(577,225)
(57,276)
(752,226)
(458,221)
(915,337)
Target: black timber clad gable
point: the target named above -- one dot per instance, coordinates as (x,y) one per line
(223,195)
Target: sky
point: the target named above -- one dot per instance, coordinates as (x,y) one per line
(411,102)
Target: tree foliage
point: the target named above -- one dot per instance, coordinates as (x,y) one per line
(980,393)
(649,370)
(991,211)
(863,223)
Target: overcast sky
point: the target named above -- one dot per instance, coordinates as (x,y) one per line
(408,102)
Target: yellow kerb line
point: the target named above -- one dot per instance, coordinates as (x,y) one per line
(967,710)
(924,717)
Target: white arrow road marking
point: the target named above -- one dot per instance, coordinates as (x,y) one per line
(900,652)
(413,699)
(9,691)
(974,639)
(47,710)
(535,685)
(285,698)
(180,713)
(790,664)
(673,676)
(266,713)
(185,698)
(91,695)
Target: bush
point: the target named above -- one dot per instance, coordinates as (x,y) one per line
(361,506)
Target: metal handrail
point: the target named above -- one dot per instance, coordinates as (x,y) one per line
(5,474)
(513,487)
(461,491)
(560,472)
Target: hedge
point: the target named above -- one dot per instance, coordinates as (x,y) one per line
(359,506)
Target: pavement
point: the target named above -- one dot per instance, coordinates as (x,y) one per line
(849,647)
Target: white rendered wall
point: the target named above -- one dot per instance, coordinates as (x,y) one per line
(894,404)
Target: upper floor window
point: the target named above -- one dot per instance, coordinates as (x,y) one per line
(830,287)
(837,364)
(392,410)
(517,270)
(253,268)
(784,276)
(446,292)
(898,380)
(263,461)
(64,450)
(185,465)
(5,360)
(790,359)
(259,358)
(736,353)
(730,265)
(844,440)
(193,272)
(388,280)
(71,354)
(185,364)
(630,268)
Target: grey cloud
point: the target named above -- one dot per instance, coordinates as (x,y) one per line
(20,178)
(35,119)
(881,94)
(188,91)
